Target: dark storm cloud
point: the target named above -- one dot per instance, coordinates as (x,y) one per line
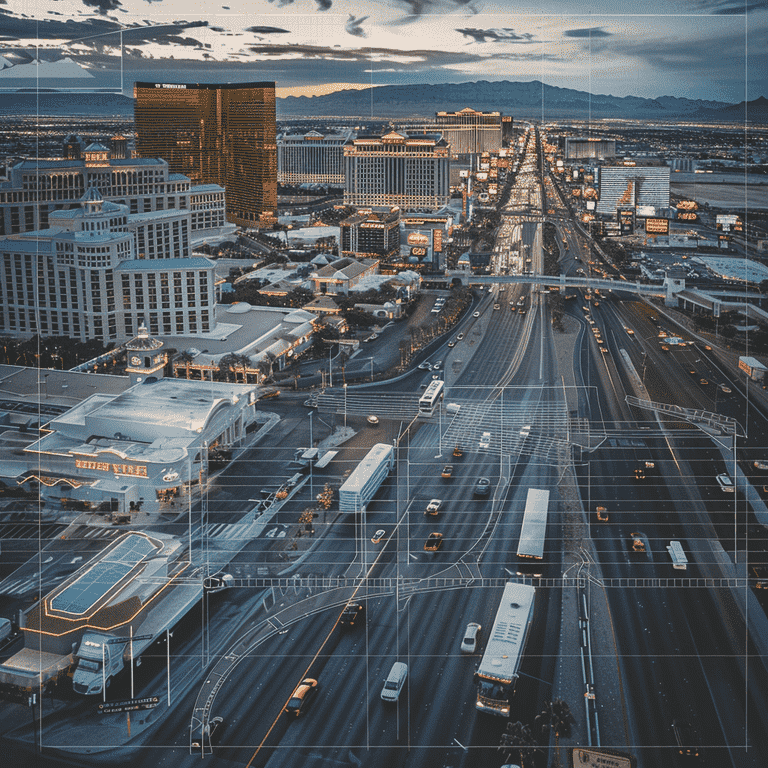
(353,26)
(267,30)
(692,62)
(730,7)
(590,32)
(496,35)
(418,8)
(103,5)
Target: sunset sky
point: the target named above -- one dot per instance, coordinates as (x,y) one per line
(712,49)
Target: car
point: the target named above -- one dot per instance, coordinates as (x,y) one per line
(485,440)
(703,382)
(373,420)
(602,514)
(458,451)
(436,365)
(212,733)
(483,487)
(637,541)
(447,471)
(451,344)
(433,507)
(760,464)
(497,306)
(434,542)
(475,314)
(425,366)
(725,482)
(471,637)
(521,311)
(460,337)
(378,536)
(725,389)
(435,376)
(353,613)
(302,696)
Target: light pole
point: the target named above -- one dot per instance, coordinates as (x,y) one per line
(311,463)
(345,405)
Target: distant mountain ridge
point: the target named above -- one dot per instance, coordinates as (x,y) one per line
(532,99)
(521,100)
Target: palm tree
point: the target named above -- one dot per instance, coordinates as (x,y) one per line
(185,357)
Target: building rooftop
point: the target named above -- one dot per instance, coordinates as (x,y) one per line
(153,265)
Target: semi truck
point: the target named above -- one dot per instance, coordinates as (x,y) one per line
(753,368)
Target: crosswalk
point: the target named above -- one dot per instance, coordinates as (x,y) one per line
(243,531)
(386,406)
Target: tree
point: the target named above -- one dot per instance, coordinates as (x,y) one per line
(185,357)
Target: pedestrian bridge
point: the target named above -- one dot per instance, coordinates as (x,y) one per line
(666,289)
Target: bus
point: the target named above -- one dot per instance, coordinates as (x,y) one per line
(498,670)
(530,548)
(679,560)
(431,398)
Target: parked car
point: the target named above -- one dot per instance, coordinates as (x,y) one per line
(434,542)
(378,536)
(447,471)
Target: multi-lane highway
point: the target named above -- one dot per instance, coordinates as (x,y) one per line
(530,407)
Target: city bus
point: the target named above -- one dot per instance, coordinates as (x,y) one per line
(431,398)
(533,534)
(498,670)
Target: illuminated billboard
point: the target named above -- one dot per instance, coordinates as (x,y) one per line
(687,205)
(657,226)
(417,238)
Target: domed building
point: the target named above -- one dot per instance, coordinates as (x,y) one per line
(146,359)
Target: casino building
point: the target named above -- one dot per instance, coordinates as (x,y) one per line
(145,445)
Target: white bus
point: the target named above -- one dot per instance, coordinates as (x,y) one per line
(431,398)
(679,560)
(533,534)
(498,671)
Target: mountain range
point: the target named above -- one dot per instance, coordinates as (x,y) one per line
(525,100)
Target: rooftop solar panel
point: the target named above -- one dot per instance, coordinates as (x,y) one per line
(92,585)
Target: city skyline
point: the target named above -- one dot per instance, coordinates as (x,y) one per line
(308,47)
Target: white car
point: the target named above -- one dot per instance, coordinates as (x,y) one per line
(476,314)
(433,507)
(485,440)
(471,637)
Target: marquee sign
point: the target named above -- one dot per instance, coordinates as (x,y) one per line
(128,470)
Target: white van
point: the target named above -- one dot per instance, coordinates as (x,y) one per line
(395,681)
(452,408)
(725,483)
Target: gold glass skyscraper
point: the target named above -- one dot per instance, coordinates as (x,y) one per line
(215,134)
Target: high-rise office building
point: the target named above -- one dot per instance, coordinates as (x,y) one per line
(630,186)
(311,158)
(469,131)
(582,148)
(215,134)
(397,170)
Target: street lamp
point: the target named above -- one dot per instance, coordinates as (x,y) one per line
(312,445)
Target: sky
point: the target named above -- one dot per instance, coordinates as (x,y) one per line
(697,49)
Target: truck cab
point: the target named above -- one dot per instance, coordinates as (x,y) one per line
(98,660)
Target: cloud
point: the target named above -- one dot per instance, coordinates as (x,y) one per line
(505,35)
(353,26)
(589,32)
(266,30)
(103,5)
(419,8)
(730,7)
